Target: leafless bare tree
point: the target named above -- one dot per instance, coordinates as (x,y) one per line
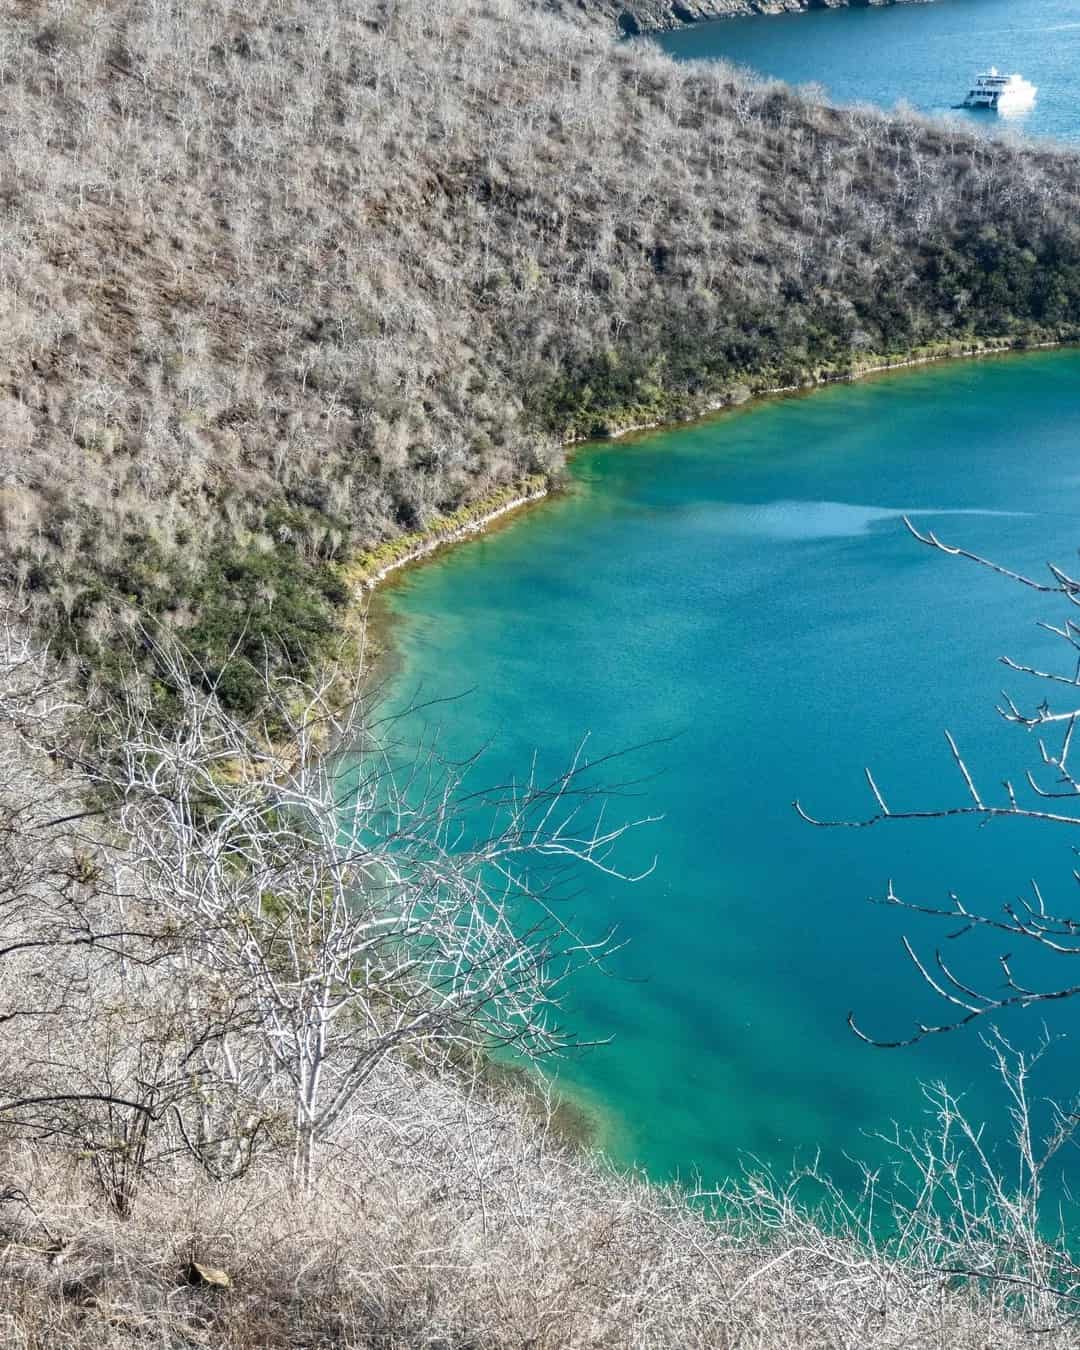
(336,899)
(61,913)
(321,897)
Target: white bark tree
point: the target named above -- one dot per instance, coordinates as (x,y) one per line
(343,901)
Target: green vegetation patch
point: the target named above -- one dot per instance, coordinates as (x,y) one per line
(260,610)
(239,611)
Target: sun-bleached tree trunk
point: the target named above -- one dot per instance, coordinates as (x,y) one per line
(346,900)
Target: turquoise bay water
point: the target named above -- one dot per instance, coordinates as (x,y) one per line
(921,54)
(741,595)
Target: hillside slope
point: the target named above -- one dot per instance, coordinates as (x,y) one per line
(280,282)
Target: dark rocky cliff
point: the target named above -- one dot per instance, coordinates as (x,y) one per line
(640,16)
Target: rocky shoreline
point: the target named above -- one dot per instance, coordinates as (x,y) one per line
(634,17)
(369,569)
(367,573)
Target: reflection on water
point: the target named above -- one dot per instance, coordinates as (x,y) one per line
(827,520)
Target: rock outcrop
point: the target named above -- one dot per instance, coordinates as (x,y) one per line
(640,16)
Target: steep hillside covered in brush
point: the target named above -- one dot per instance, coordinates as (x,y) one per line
(280,281)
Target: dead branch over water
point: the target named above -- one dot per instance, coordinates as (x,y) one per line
(1046,929)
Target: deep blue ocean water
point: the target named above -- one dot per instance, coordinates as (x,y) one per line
(920,54)
(741,595)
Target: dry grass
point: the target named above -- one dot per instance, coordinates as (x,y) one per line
(450,1222)
(279,281)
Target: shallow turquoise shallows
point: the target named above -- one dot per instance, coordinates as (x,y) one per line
(741,594)
(923,55)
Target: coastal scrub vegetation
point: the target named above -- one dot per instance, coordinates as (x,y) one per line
(245,1099)
(280,284)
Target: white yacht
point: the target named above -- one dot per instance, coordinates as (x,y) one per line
(1000,93)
